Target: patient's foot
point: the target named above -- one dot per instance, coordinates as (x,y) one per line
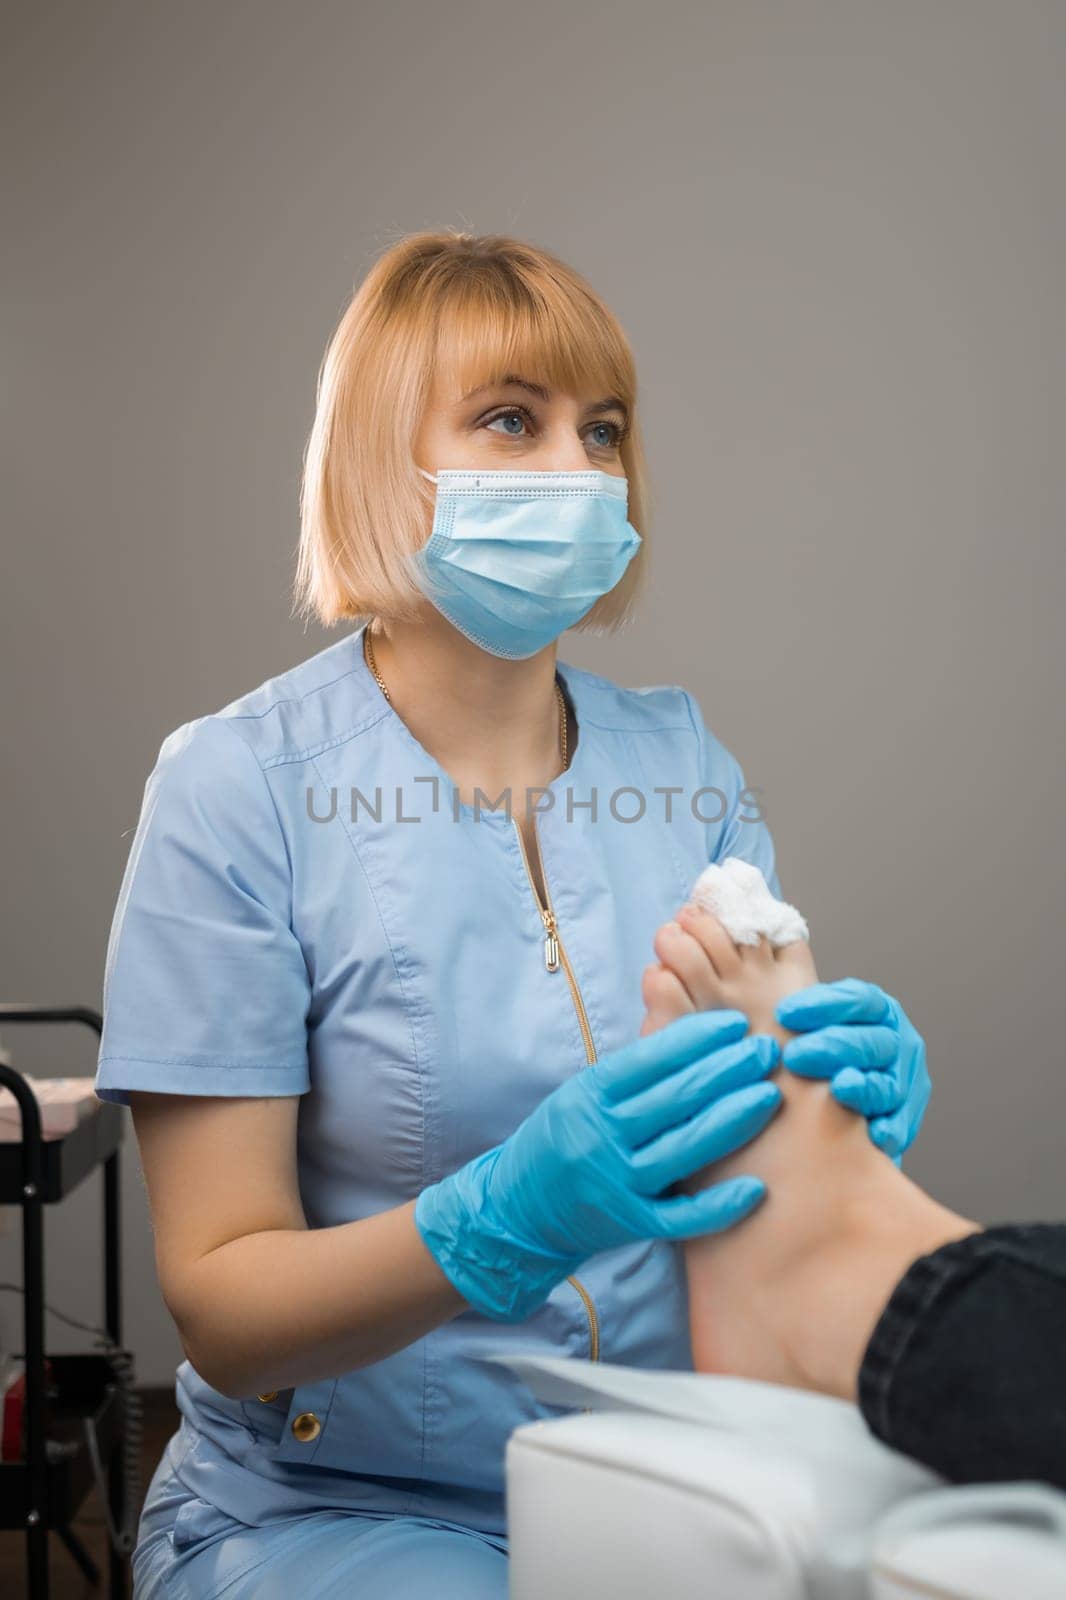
(791,1294)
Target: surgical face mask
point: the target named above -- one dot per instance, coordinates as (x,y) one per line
(515,558)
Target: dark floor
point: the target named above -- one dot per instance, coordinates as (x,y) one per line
(67,1583)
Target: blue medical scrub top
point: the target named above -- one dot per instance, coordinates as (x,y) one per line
(308,910)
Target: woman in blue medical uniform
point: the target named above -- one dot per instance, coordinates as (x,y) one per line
(373,987)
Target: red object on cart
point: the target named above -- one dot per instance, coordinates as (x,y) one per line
(12,1429)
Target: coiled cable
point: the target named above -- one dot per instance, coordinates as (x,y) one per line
(121,1364)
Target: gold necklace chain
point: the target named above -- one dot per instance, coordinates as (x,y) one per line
(368,651)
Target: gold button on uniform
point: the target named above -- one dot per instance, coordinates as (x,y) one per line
(306,1427)
(271,1394)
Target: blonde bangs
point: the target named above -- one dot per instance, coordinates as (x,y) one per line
(475,308)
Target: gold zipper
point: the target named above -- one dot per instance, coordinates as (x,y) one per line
(594,1321)
(554,956)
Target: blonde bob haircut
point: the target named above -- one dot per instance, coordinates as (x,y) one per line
(476,308)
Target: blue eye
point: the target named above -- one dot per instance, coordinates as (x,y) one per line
(508,416)
(617,430)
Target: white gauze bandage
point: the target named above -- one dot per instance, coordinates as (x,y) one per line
(739,896)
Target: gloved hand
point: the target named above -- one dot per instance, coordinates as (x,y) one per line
(589,1169)
(859,1037)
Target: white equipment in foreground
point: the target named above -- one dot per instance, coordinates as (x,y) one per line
(673,1485)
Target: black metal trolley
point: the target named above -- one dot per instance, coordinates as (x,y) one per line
(43,1491)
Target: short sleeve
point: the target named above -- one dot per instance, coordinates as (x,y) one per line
(206,989)
(736,825)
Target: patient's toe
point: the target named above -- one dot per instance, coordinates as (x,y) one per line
(680,951)
(797,959)
(665,998)
(718,945)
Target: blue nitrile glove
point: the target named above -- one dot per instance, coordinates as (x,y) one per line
(590,1168)
(859,1037)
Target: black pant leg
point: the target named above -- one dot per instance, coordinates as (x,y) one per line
(966,1368)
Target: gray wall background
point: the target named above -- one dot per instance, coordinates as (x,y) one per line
(835,233)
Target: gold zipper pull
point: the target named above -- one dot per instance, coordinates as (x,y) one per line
(551,942)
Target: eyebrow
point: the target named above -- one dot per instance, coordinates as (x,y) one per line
(610,403)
